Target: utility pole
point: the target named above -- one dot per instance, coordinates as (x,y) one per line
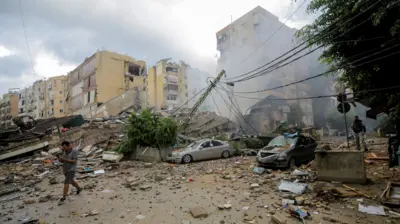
(345,121)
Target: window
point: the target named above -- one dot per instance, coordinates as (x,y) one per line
(61,101)
(171,97)
(61,110)
(172,87)
(134,69)
(88,97)
(171,69)
(23,102)
(60,92)
(206,144)
(51,102)
(216,143)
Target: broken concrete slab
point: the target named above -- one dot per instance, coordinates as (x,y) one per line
(23,149)
(342,166)
(112,156)
(198,212)
(55,151)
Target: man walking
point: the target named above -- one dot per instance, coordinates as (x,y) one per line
(69,162)
(359,132)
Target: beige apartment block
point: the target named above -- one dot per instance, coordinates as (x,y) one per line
(8,109)
(100,78)
(55,97)
(167,85)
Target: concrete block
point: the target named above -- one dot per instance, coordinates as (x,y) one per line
(112,156)
(278,219)
(342,166)
(198,212)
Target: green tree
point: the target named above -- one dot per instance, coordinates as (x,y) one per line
(373,33)
(147,130)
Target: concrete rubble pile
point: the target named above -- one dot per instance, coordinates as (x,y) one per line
(206,123)
(234,190)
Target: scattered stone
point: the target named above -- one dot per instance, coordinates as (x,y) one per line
(227,177)
(299,200)
(29,201)
(158,178)
(198,212)
(221,207)
(278,219)
(145,187)
(252,186)
(227,206)
(53,180)
(91,213)
(148,165)
(45,199)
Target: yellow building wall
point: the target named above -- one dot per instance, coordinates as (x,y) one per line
(58,91)
(151,87)
(110,75)
(155,87)
(14,105)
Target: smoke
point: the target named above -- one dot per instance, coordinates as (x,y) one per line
(245,48)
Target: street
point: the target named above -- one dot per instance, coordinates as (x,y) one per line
(137,192)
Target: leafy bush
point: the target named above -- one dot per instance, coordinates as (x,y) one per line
(146,130)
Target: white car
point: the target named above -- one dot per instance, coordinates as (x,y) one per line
(202,150)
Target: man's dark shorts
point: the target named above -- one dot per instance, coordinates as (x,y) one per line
(69,177)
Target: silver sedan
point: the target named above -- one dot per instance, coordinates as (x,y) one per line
(202,150)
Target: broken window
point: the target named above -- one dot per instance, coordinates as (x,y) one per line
(61,110)
(172,87)
(171,69)
(134,69)
(51,102)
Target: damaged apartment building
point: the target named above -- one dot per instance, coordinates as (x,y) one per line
(243,47)
(44,99)
(105,84)
(8,108)
(167,85)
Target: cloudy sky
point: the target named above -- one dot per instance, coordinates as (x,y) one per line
(61,33)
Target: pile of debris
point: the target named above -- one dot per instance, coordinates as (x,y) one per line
(205,123)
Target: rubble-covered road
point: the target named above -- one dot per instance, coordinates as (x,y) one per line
(218,191)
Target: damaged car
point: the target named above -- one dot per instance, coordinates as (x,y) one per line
(287,151)
(202,150)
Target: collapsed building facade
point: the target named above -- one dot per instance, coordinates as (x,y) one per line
(251,41)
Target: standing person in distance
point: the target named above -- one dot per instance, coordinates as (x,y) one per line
(69,161)
(359,132)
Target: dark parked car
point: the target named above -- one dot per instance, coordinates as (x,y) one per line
(287,151)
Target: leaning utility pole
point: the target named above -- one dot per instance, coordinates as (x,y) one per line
(201,100)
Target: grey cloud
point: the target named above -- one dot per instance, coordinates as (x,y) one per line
(73,30)
(13,66)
